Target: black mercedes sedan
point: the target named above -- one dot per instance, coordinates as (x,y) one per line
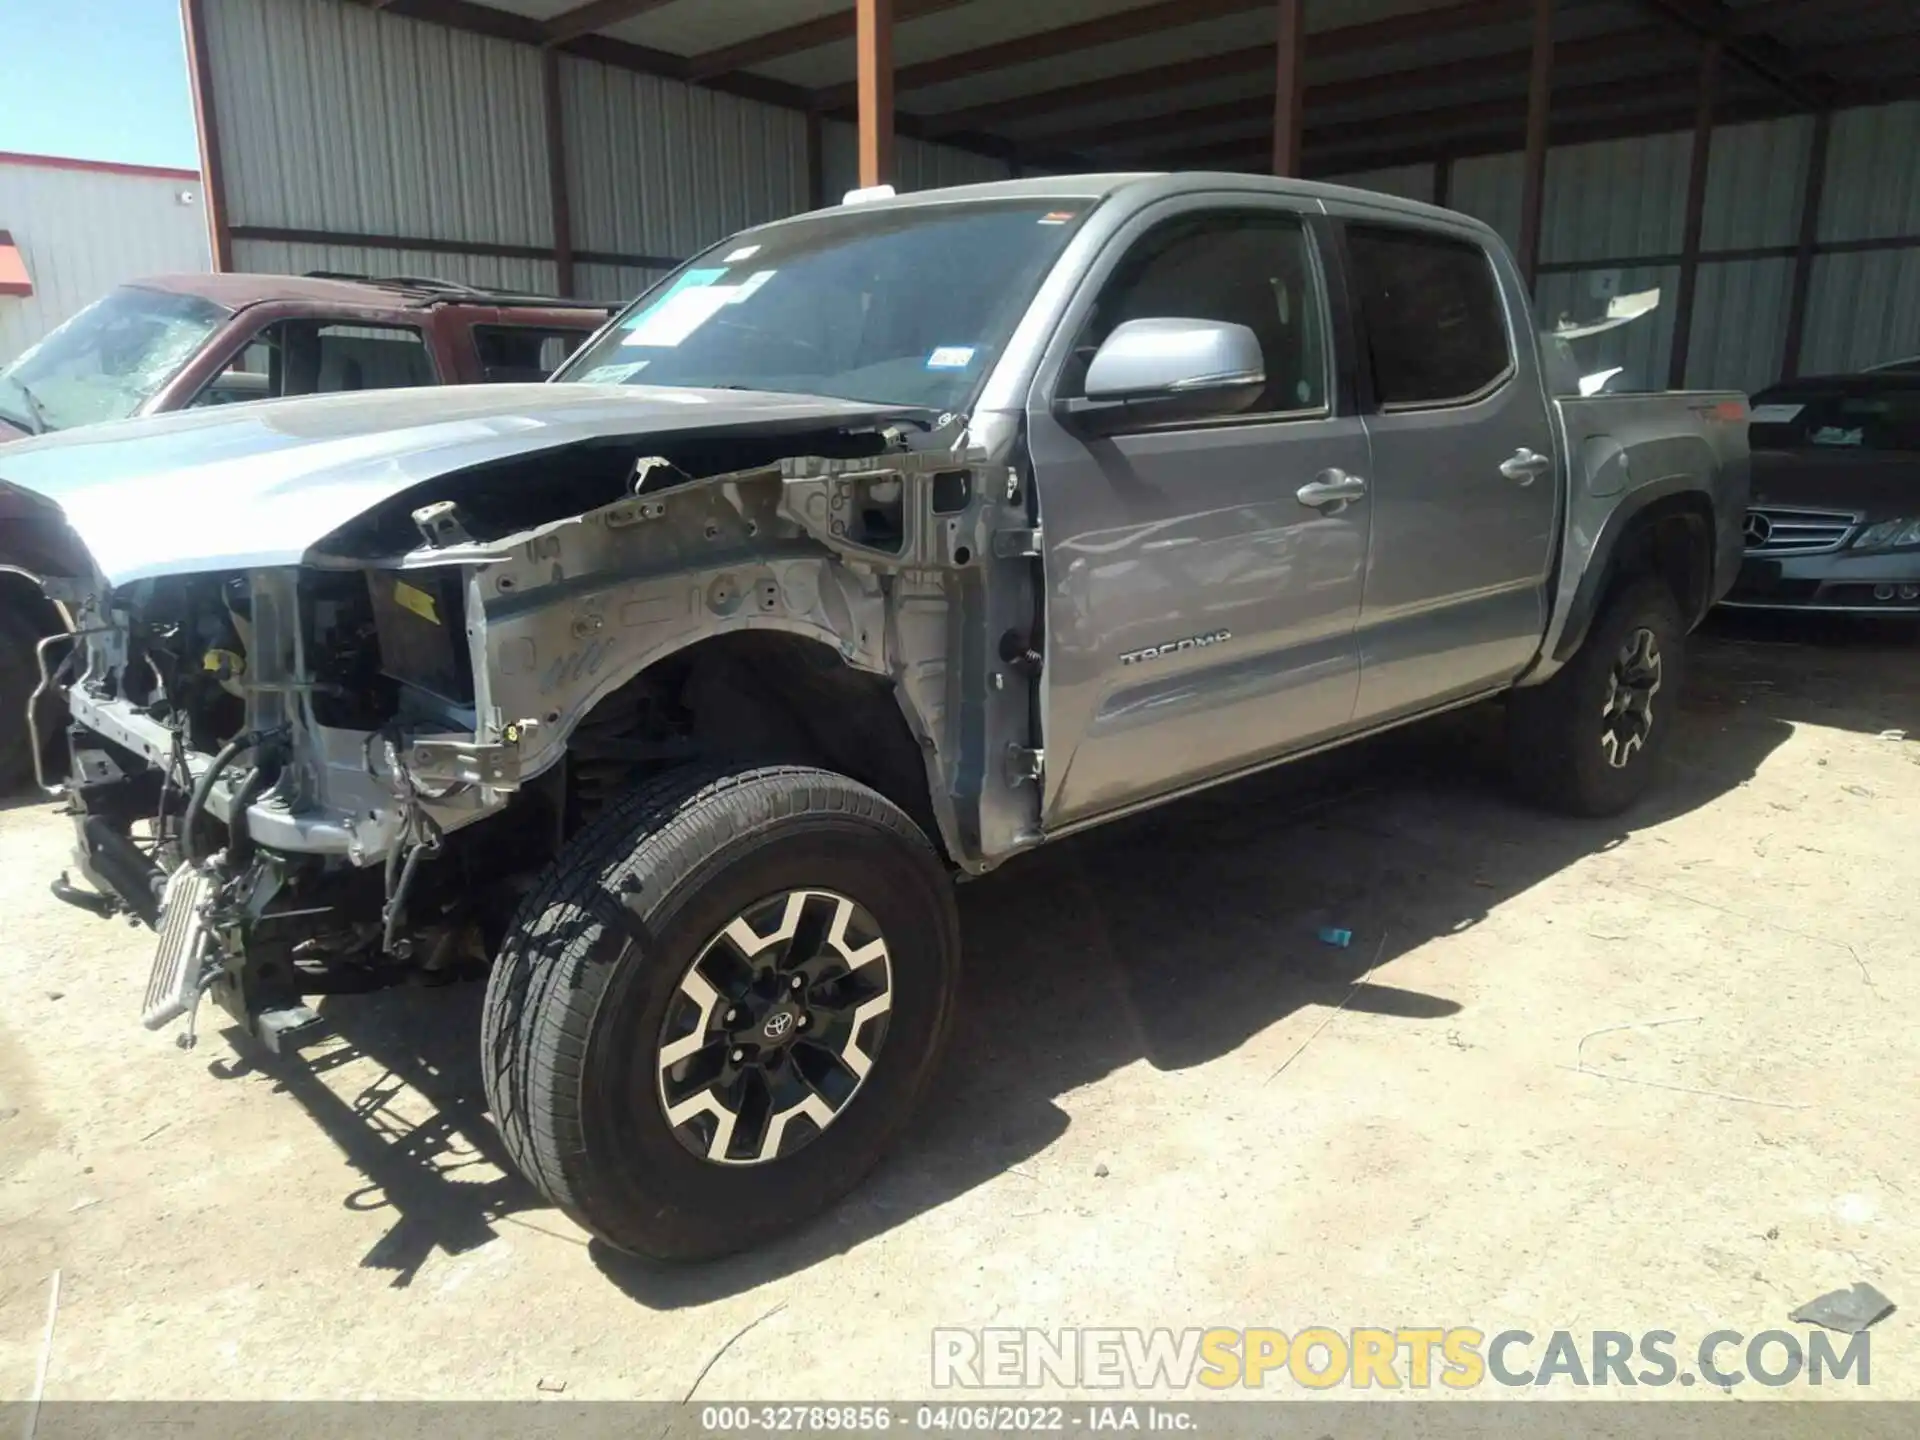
(1835,517)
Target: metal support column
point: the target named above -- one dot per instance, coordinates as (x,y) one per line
(557,196)
(1539,112)
(1696,215)
(1809,241)
(873,39)
(1289,87)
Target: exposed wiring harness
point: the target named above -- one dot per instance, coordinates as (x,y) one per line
(176,768)
(203,788)
(419,837)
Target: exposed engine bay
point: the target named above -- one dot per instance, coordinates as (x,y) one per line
(284,769)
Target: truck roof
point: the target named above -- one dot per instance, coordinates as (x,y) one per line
(236,291)
(1102,186)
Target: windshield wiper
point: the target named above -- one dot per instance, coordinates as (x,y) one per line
(37,420)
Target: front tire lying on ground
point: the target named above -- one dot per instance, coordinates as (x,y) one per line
(1589,740)
(720,1007)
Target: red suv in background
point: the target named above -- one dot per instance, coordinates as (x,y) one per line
(176,342)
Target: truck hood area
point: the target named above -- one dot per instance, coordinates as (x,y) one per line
(278,482)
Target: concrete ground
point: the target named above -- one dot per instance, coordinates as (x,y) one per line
(1156,1112)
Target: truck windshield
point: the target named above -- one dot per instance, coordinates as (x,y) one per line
(906,306)
(108,360)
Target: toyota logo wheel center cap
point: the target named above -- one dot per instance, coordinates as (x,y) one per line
(778,1024)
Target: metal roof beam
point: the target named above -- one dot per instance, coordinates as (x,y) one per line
(1321,45)
(797,39)
(1050,44)
(594,15)
(1658,120)
(480,19)
(1658,89)
(1771,61)
(1761,19)
(1508,64)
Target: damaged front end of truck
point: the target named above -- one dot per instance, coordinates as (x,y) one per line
(330,761)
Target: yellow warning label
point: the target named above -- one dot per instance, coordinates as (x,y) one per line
(418,601)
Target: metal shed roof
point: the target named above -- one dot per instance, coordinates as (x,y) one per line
(1173,82)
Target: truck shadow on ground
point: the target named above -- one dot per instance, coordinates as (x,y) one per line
(418,1131)
(1175,937)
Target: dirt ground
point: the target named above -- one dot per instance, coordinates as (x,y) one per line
(1156,1111)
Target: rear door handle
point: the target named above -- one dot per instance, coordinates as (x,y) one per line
(1331,491)
(1526,466)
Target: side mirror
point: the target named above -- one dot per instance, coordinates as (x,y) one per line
(1159,370)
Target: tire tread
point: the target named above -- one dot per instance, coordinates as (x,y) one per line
(541,1006)
(1547,722)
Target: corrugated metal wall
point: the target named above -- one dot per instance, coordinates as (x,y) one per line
(1873,187)
(1739,324)
(1861,310)
(81,232)
(337,118)
(1756,187)
(1626,199)
(1756,184)
(283,257)
(664,169)
(1615,199)
(1865,307)
(917,164)
(1489,188)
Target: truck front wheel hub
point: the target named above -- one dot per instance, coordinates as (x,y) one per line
(774,1028)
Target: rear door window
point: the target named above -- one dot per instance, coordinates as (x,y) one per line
(1436,330)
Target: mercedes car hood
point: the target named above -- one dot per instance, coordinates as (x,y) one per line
(241,486)
(1880,485)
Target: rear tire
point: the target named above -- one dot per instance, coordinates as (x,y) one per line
(707,915)
(1589,740)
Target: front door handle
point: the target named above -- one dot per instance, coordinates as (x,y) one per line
(1526,466)
(1331,491)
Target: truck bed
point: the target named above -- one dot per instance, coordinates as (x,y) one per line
(1628,451)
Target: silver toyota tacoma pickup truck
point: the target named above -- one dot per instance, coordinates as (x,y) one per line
(870,549)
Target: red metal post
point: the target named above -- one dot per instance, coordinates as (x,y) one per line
(1289,101)
(213,178)
(873,39)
